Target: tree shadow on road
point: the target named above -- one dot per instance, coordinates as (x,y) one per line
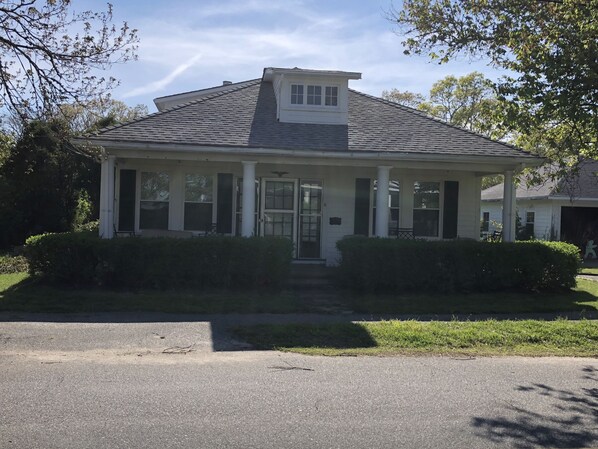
(573,423)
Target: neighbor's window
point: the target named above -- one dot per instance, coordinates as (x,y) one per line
(331,96)
(485,221)
(393,205)
(530,218)
(296,93)
(199,201)
(314,95)
(154,203)
(426,209)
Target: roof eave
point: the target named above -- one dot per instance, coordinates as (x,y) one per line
(516,162)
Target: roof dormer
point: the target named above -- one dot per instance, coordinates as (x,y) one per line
(311,96)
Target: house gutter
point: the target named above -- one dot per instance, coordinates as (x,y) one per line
(519,162)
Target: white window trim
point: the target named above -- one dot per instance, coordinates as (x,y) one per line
(315,107)
(138,194)
(440,207)
(214,177)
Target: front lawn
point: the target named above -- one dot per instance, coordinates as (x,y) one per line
(590,271)
(481,338)
(582,298)
(20,293)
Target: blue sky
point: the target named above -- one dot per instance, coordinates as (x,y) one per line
(187,45)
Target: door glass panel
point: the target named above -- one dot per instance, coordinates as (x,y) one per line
(279,195)
(279,208)
(310,219)
(279,224)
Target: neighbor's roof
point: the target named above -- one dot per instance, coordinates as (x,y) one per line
(582,183)
(245,116)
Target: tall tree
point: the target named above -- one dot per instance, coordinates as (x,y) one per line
(469,101)
(45,184)
(548,48)
(41,180)
(50,55)
(404,97)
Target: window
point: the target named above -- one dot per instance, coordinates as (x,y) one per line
(426,209)
(331,96)
(485,221)
(530,218)
(314,95)
(154,202)
(393,204)
(199,201)
(311,95)
(296,94)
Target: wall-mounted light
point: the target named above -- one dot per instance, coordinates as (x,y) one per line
(280,174)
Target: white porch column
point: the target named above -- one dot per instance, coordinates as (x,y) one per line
(248,209)
(508,209)
(107,198)
(382,201)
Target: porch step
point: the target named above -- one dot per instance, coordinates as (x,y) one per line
(312,277)
(316,285)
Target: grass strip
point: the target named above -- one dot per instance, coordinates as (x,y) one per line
(591,271)
(20,293)
(476,338)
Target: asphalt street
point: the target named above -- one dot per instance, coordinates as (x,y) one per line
(189,385)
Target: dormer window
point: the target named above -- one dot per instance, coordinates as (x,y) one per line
(311,95)
(296,94)
(314,95)
(331,96)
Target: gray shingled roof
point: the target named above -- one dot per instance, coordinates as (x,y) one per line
(245,116)
(580,184)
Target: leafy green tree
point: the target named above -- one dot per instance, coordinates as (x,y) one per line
(405,97)
(548,49)
(469,101)
(98,113)
(51,55)
(41,180)
(47,185)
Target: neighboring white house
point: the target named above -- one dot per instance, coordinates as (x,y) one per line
(298,154)
(564,209)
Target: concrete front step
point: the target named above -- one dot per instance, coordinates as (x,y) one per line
(311,272)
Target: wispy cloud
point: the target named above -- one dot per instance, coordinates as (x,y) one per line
(238,38)
(156,86)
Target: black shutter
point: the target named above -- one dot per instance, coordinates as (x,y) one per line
(126,201)
(451,209)
(362,207)
(224,208)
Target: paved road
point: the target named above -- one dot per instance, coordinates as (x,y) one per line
(168,385)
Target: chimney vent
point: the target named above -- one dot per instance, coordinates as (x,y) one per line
(226,83)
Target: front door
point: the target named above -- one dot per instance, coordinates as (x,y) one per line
(310,219)
(279,208)
(293,210)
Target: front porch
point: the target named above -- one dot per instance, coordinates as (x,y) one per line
(313,203)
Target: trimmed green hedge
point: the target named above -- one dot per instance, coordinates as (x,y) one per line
(223,262)
(385,265)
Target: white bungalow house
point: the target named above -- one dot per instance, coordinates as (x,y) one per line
(564,208)
(296,153)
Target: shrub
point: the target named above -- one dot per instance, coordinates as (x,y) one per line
(385,265)
(13,264)
(222,262)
